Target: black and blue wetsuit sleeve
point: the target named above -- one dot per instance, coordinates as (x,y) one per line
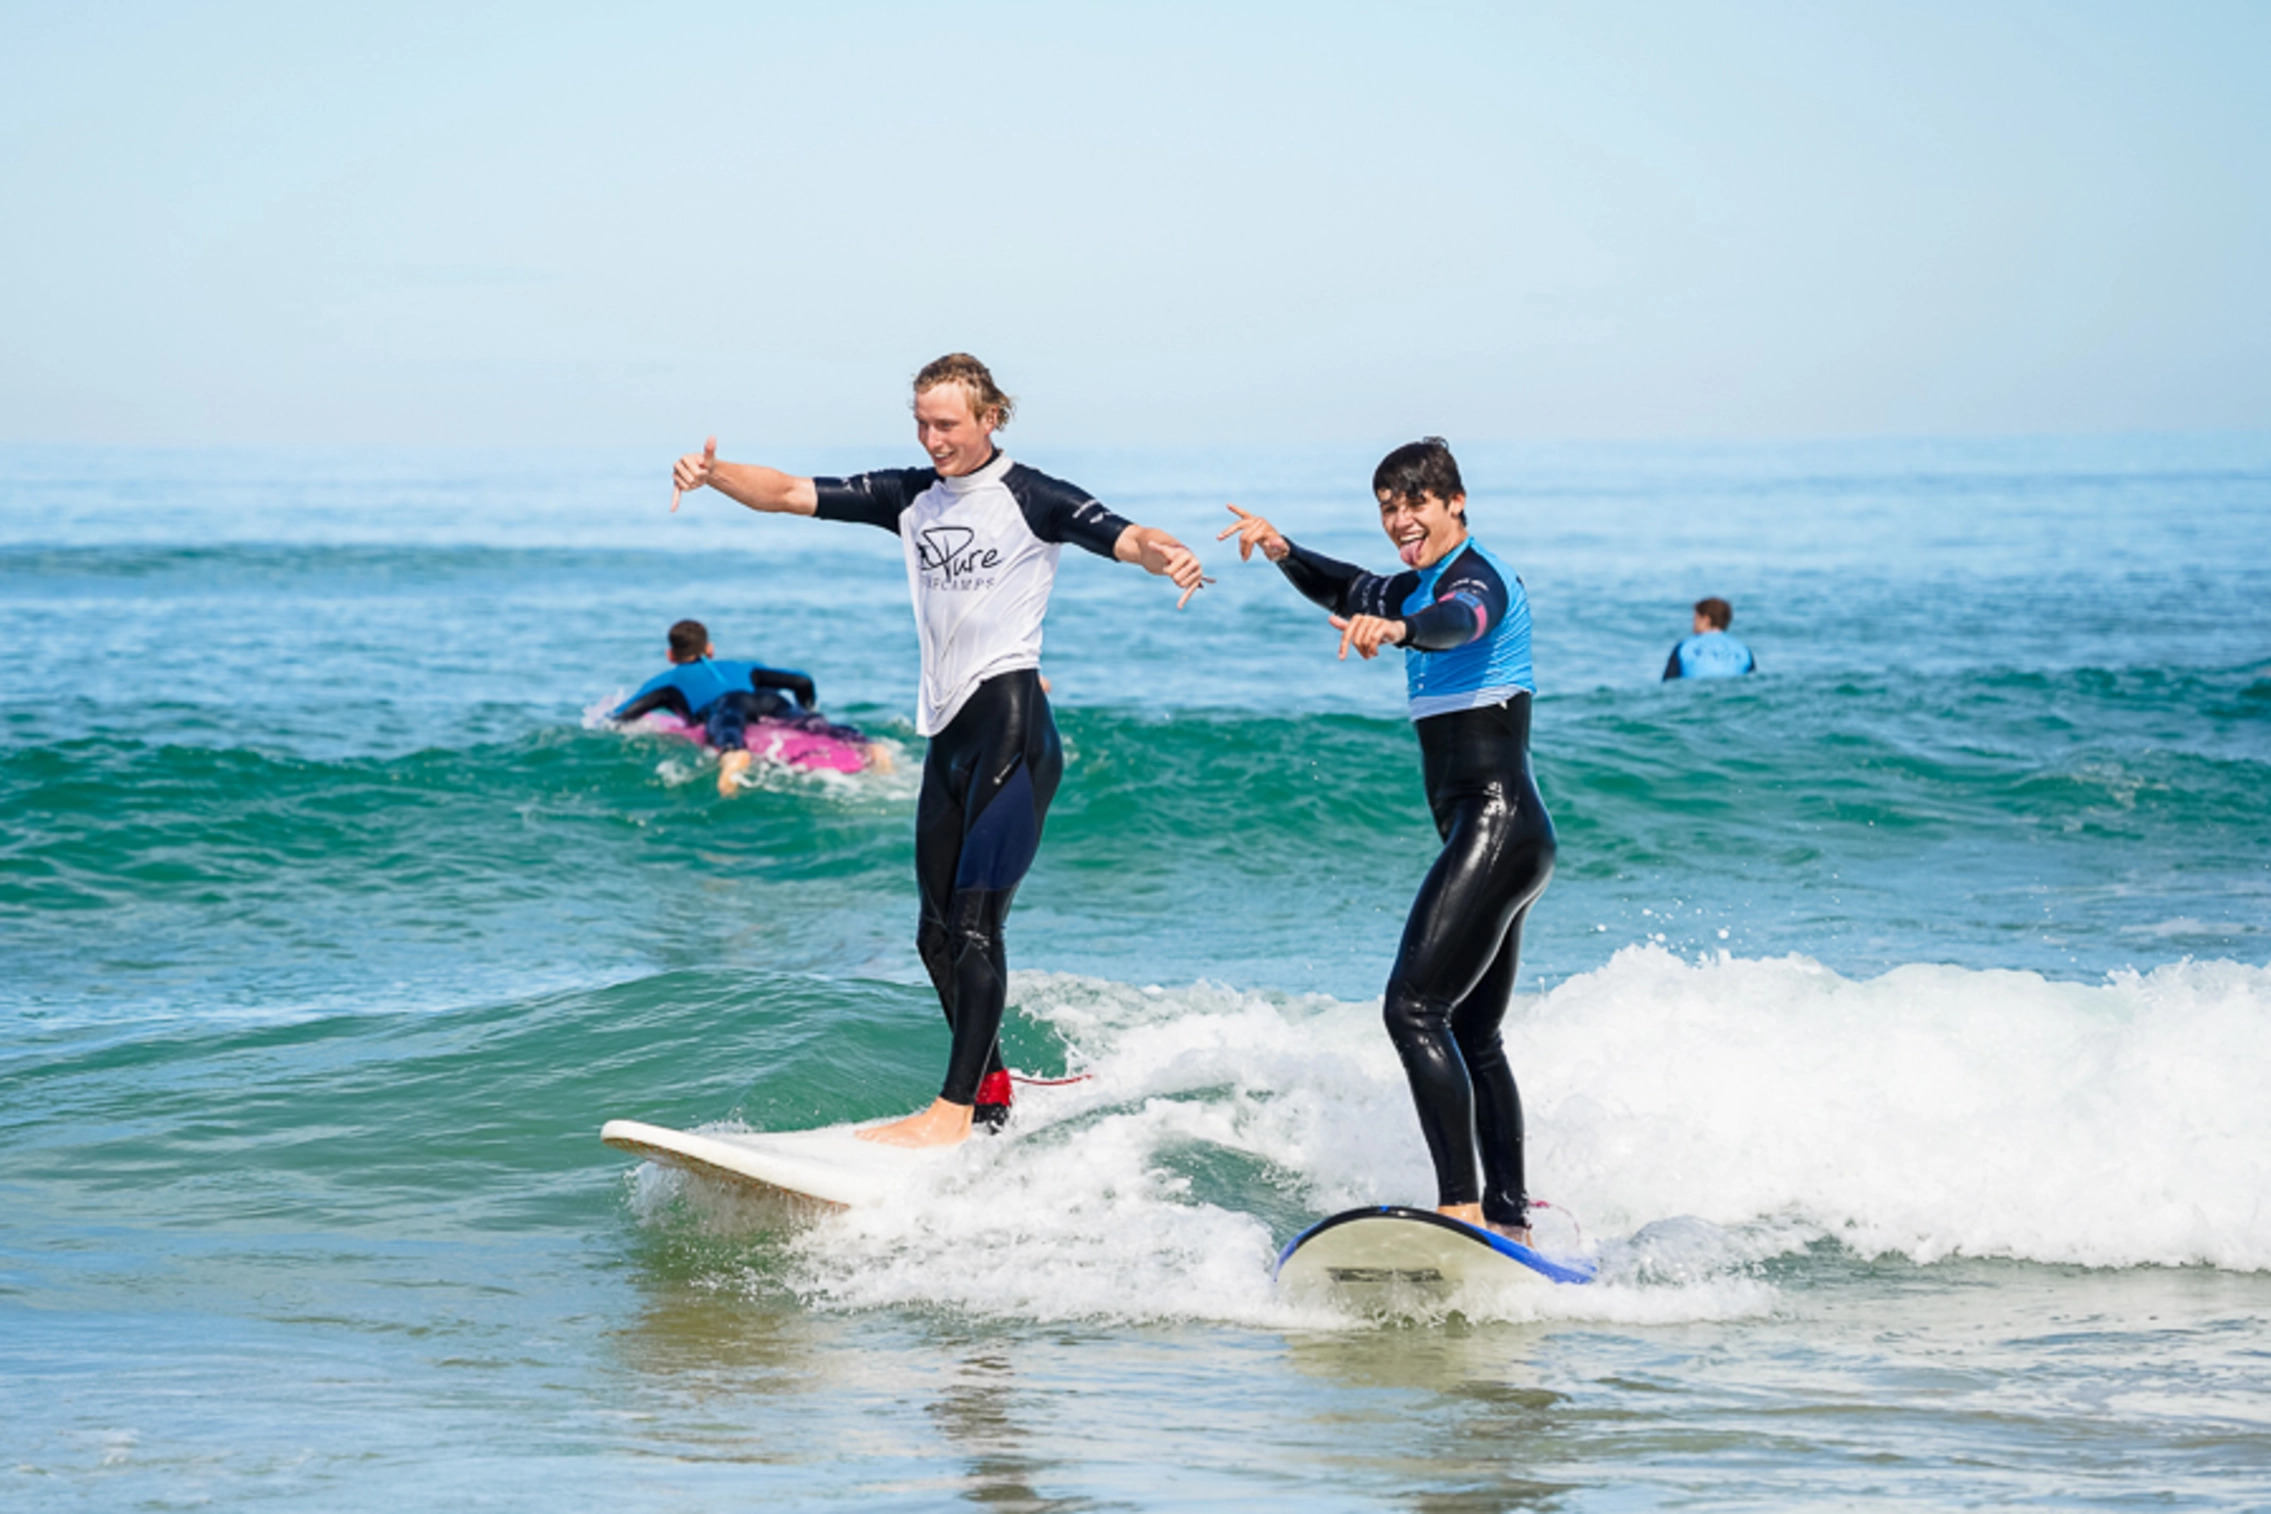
(1341,587)
(1470,598)
(871,499)
(796,683)
(646,698)
(666,697)
(1672,666)
(1060,512)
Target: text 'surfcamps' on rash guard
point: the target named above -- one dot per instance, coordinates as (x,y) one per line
(1466,622)
(981,558)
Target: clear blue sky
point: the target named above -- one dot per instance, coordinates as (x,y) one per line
(545,224)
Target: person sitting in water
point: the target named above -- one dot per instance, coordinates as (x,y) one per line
(1711,652)
(720,697)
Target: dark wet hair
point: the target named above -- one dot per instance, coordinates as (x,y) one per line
(1717,613)
(688,640)
(1419,468)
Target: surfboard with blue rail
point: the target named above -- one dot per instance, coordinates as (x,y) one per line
(1388,1256)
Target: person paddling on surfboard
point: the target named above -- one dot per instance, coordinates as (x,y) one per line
(1463,620)
(981,535)
(721,698)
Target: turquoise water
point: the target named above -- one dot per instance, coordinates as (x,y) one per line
(1896,1022)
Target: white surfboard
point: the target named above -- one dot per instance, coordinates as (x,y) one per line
(830,1165)
(1390,1257)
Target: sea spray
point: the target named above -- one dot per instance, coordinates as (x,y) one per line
(1702,1116)
(1930,1111)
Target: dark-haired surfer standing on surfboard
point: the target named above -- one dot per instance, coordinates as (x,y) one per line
(981,536)
(1463,620)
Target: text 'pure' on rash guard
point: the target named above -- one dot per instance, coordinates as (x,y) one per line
(981,556)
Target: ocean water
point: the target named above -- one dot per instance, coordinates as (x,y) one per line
(1895,1030)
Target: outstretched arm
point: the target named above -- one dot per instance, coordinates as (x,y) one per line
(664,698)
(759,488)
(1337,586)
(1158,553)
(1354,596)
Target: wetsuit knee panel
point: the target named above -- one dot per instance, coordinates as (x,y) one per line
(974,919)
(1412,1016)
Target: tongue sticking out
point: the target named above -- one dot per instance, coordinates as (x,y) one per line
(1409,552)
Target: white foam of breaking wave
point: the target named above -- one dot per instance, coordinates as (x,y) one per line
(1931,1111)
(1702,1116)
(1091,1210)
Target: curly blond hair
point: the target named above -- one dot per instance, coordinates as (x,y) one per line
(985,396)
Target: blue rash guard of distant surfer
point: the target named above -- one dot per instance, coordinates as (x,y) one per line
(1463,619)
(1710,652)
(981,536)
(723,698)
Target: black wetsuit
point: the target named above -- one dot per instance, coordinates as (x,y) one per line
(1454,972)
(987,783)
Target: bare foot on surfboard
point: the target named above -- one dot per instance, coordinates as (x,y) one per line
(942,1124)
(730,768)
(1471,1214)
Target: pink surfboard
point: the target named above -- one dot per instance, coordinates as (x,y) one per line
(779,741)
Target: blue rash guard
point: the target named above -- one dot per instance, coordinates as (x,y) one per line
(1714,654)
(1466,623)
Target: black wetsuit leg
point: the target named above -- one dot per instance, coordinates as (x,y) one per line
(726,721)
(987,783)
(1454,973)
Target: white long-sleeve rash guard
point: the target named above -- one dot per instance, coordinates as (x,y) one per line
(981,558)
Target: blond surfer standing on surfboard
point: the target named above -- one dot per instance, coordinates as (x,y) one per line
(1463,620)
(981,536)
